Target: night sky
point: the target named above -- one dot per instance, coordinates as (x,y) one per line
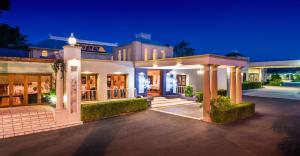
(262,30)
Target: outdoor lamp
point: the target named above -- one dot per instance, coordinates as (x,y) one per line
(72,40)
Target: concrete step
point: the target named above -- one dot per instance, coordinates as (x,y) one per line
(168,101)
(171,104)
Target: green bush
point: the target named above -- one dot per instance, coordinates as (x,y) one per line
(100,110)
(199,94)
(251,85)
(275,82)
(222,111)
(188,92)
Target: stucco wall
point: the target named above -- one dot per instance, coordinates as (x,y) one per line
(196,80)
(102,68)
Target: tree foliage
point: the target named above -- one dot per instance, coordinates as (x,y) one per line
(12,38)
(183,49)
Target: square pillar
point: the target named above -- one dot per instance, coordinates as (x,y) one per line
(206,93)
(233,85)
(214,81)
(238,85)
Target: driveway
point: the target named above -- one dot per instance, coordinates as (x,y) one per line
(273,130)
(275,92)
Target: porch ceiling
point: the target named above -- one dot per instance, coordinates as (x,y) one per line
(191,62)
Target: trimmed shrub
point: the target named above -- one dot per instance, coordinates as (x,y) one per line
(100,110)
(275,82)
(188,92)
(199,94)
(251,85)
(222,111)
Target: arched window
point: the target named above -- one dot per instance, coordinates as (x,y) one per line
(119,55)
(163,54)
(154,54)
(44,53)
(146,54)
(124,54)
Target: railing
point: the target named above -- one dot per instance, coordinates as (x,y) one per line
(180,89)
(121,93)
(89,95)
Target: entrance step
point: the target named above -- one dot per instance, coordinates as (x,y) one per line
(24,120)
(164,102)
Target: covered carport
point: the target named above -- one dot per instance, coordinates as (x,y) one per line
(209,64)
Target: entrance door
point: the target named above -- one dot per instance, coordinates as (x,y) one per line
(89,87)
(155,79)
(181,83)
(116,84)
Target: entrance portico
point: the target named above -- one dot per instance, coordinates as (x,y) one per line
(209,64)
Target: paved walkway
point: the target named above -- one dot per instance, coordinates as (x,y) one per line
(275,92)
(274,130)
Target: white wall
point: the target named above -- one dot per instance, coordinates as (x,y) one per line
(196,80)
(103,68)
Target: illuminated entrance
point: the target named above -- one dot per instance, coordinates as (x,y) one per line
(24,89)
(117,86)
(155,83)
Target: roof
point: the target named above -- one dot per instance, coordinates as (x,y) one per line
(276,64)
(235,54)
(150,41)
(57,43)
(6,52)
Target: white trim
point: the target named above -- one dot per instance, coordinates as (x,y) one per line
(185,116)
(83,41)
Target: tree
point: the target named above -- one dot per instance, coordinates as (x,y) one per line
(4,6)
(183,49)
(12,38)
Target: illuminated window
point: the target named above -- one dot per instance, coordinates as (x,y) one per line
(163,54)
(154,54)
(44,53)
(124,54)
(119,55)
(146,54)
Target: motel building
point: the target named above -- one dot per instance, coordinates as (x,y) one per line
(99,71)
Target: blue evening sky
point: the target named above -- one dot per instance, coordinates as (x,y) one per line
(260,29)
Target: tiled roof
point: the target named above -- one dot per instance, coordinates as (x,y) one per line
(5,52)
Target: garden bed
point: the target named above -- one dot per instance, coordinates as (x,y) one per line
(105,109)
(223,112)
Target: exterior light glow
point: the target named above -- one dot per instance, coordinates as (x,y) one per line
(173,72)
(72,40)
(155,66)
(200,71)
(117,73)
(178,64)
(141,73)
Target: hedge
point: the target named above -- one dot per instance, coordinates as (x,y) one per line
(199,94)
(100,110)
(233,112)
(251,85)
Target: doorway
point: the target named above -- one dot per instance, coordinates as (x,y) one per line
(117,86)
(88,87)
(155,79)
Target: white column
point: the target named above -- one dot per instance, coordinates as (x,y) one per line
(206,93)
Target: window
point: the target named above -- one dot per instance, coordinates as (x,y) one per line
(119,55)
(44,53)
(124,54)
(154,54)
(146,54)
(163,54)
